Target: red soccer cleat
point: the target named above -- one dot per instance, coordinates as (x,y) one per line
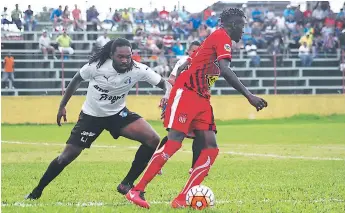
(178,202)
(137,197)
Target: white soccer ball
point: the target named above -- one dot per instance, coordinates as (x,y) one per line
(200,197)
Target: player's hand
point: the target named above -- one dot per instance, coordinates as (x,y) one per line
(257,102)
(61,113)
(163,102)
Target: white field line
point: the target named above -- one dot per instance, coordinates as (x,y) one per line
(88,204)
(229,152)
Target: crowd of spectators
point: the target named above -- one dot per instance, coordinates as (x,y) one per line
(315,32)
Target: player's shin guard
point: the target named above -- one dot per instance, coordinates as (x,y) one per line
(201,168)
(159,158)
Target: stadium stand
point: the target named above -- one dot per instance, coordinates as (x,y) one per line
(35,75)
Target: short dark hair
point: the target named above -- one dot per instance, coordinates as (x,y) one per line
(108,49)
(228,14)
(197,43)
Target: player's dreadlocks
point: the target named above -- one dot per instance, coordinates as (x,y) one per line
(228,15)
(196,43)
(108,49)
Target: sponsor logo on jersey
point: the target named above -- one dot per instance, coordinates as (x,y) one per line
(123,114)
(211,79)
(112,99)
(128,80)
(100,89)
(227,47)
(182,118)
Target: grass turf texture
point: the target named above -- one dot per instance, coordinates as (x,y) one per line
(305,173)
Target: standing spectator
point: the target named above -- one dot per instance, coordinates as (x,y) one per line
(102,40)
(127,24)
(174,13)
(184,14)
(155,18)
(45,45)
(56,17)
(251,50)
(155,31)
(109,19)
(78,22)
(140,17)
(16,17)
(168,41)
(269,16)
(290,23)
(64,42)
(164,18)
(304,53)
(178,49)
(30,22)
(4,18)
(271,31)
(288,12)
(92,16)
(204,32)
(8,74)
(318,14)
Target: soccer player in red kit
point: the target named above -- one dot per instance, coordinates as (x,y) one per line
(189,107)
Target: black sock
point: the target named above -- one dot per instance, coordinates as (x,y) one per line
(142,157)
(196,148)
(54,169)
(164,141)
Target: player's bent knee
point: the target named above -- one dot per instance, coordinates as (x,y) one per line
(153,141)
(70,153)
(176,135)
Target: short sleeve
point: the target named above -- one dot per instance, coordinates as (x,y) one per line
(85,71)
(177,65)
(150,76)
(223,46)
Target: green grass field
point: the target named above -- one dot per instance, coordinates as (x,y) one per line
(283,165)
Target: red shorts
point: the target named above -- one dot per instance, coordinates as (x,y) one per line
(187,111)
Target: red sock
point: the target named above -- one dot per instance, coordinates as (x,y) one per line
(200,169)
(159,158)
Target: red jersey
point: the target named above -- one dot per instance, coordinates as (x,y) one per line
(204,68)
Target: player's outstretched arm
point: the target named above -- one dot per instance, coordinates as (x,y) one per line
(72,87)
(233,80)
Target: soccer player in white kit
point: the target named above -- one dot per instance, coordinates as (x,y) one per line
(111,73)
(172,78)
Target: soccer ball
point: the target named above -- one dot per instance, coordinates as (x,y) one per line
(200,197)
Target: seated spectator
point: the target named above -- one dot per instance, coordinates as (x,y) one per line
(138,38)
(341,15)
(338,28)
(204,32)
(168,41)
(329,44)
(258,38)
(299,15)
(155,30)
(78,21)
(296,35)
(288,12)
(177,27)
(290,23)
(92,16)
(102,40)
(281,24)
(16,17)
(308,39)
(151,45)
(194,24)
(127,23)
(140,17)
(109,19)
(307,15)
(8,74)
(64,42)
(276,49)
(247,34)
(304,53)
(154,18)
(271,31)
(269,16)
(318,14)
(30,22)
(212,21)
(162,68)
(45,45)
(178,49)
(56,16)
(207,13)
(251,50)
(4,18)
(257,15)
(66,18)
